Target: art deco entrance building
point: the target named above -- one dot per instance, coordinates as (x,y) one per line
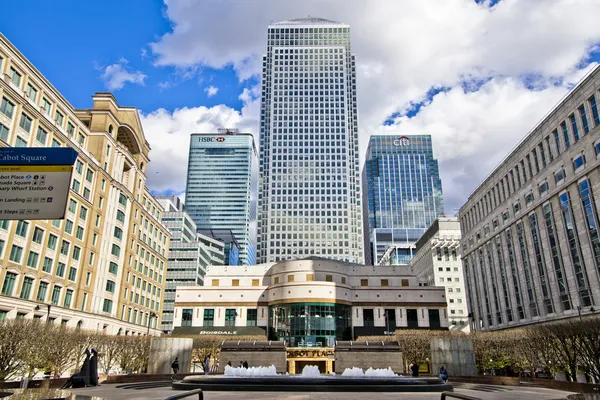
(308,302)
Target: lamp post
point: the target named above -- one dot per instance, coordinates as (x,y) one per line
(579,312)
(387,323)
(152,315)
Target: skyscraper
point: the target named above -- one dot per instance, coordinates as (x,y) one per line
(221,187)
(309,198)
(403,194)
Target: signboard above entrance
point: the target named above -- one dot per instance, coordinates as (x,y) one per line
(34,181)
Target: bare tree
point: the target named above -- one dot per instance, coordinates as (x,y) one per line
(108,351)
(13,341)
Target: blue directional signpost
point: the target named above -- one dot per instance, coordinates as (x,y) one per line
(34,181)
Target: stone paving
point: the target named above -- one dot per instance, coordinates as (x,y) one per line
(483,392)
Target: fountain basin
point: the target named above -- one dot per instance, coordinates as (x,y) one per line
(324,383)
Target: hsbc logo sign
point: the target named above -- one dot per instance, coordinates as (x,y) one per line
(206,139)
(402,141)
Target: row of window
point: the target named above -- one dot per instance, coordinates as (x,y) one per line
(27,287)
(187,316)
(541,155)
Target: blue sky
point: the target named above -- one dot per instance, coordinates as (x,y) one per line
(95,34)
(475,74)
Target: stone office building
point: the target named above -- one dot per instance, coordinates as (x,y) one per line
(530,244)
(308,302)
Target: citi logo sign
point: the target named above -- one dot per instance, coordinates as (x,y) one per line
(402,141)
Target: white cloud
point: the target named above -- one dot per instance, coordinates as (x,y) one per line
(404,48)
(211,91)
(116,75)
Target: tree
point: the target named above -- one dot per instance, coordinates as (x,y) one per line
(108,351)
(13,341)
(62,349)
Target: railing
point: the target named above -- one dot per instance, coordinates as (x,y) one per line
(187,394)
(456,396)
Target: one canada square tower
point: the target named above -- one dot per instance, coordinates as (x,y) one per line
(309,191)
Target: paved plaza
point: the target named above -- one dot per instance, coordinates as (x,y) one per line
(483,392)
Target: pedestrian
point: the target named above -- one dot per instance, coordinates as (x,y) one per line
(443,374)
(207,365)
(246,364)
(241,364)
(415,370)
(175,366)
(229,363)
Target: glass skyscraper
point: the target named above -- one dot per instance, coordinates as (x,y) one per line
(403,194)
(222,185)
(309,197)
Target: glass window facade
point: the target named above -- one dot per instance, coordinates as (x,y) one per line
(403,194)
(311,324)
(221,187)
(309,163)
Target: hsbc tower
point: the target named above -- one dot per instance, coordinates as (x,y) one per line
(221,187)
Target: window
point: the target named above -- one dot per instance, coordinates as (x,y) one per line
(122,199)
(31,92)
(15,77)
(46,105)
(9,283)
(83,213)
(68,299)
(64,248)
(69,227)
(52,240)
(79,167)
(113,268)
(89,176)
(559,175)
(22,228)
(72,274)
(38,235)
(186,316)
(32,259)
(385,282)
(529,198)
(230,316)
(25,123)
(2,243)
(110,286)
(56,295)
(59,118)
(364,282)
(3,133)
(574,127)
(209,317)
(290,278)
(578,162)
(116,250)
(60,270)
(7,107)
(328,278)
(80,139)
(584,120)
(76,185)
(16,252)
(120,216)
(107,306)
(275,280)
(235,282)
(543,188)
(404,282)
(343,280)
(516,206)
(76,253)
(79,234)
(47,266)
(56,143)
(118,233)
(20,142)
(565,132)
(251,317)
(368,318)
(42,289)
(594,108)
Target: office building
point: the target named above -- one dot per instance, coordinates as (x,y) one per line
(231,247)
(222,187)
(102,267)
(437,263)
(530,245)
(189,254)
(309,192)
(402,194)
(311,301)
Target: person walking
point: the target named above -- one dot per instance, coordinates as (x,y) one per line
(246,364)
(415,370)
(241,364)
(443,374)
(175,366)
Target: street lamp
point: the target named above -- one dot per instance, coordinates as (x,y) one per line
(152,315)
(37,308)
(579,312)
(387,323)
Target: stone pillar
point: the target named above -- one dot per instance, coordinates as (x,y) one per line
(163,352)
(455,354)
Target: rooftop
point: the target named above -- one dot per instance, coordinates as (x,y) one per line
(308,21)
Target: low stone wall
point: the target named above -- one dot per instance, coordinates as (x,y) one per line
(564,385)
(36,384)
(135,378)
(365,355)
(163,352)
(487,380)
